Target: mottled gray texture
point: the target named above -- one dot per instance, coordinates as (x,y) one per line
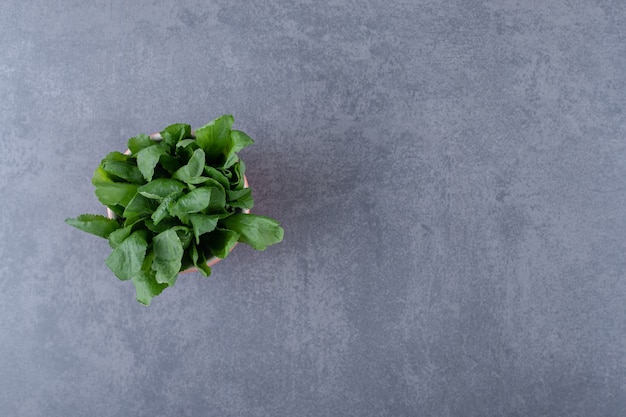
(451,177)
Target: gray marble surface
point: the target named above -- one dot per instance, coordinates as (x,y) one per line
(451,177)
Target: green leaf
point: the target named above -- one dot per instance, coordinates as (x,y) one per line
(116,156)
(176,132)
(140,142)
(170,163)
(210,182)
(168,254)
(240,198)
(147,287)
(222,241)
(160,188)
(113,193)
(135,219)
(100,176)
(184,235)
(123,169)
(214,137)
(199,261)
(231,159)
(116,209)
(194,167)
(217,176)
(193,202)
(184,218)
(148,158)
(145,283)
(186,262)
(218,196)
(183,143)
(125,261)
(237,182)
(163,225)
(95,224)
(238,141)
(139,207)
(217,204)
(185,148)
(207,181)
(164,209)
(257,231)
(227,173)
(202,224)
(117,237)
(202,266)
(197,180)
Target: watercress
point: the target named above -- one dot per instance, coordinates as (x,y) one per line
(175,203)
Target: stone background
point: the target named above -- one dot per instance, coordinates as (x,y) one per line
(450,176)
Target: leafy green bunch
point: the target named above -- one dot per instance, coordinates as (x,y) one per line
(176,203)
